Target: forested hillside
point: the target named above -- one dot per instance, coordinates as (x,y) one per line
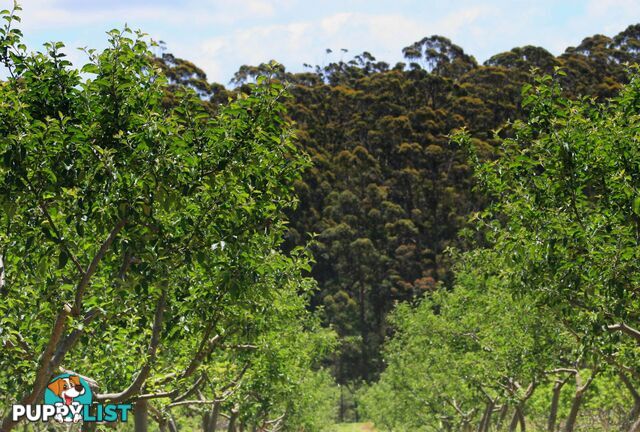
(388,191)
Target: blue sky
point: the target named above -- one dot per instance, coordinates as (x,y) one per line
(221,35)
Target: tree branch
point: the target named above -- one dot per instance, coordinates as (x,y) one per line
(192,402)
(142,376)
(193,388)
(562,370)
(206,346)
(629,385)
(44,367)
(2,274)
(72,338)
(61,238)
(86,277)
(624,328)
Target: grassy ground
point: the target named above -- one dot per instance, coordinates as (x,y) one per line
(354,427)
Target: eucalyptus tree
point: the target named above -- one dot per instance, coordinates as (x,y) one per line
(440,56)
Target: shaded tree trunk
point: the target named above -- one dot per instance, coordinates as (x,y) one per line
(172,425)
(232,421)
(364,334)
(341,411)
(634,414)
(518,418)
(504,410)
(212,418)
(577,401)
(466,426)
(86,427)
(141,416)
(523,425)
(485,422)
(573,413)
(635,427)
(555,401)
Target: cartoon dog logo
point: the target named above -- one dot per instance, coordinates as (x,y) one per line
(69,390)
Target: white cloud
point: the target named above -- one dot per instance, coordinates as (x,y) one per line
(305,41)
(260,7)
(56,14)
(222,35)
(618,13)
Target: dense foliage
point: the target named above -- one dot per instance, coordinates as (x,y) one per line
(140,244)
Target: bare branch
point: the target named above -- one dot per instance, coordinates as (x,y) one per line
(192,402)
(275,420)
(624,328)
(203,353)
(562,370)
(44,369)
(161,395)
(173,394)
(629,385)
(239,347)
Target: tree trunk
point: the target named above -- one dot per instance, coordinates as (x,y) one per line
(86,427)
(481,424)
(487,422)
(212,424)
(635,427)
(172,425)
(523,426)
(363,332)
(141,416)
(232,421)
(466,426)
(555,400)
(504,410)
(634,418)
(518,418)
(486,417)
(573,414)
(634,414)
(514,421)
(577,400)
